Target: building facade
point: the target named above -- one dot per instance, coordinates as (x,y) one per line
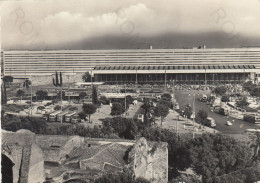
(191,66)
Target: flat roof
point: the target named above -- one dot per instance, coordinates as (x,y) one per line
(180,67)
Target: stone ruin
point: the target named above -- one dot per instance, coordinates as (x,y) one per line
(24,157)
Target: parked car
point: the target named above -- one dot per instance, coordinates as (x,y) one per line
(210,122)
(228,123)
(204,98)
(140,117)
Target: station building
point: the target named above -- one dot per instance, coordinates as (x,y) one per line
(141,66)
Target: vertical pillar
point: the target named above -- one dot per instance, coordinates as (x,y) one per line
(165,77)
(205,77)
(136,79)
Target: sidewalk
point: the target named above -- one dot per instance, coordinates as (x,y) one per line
(171,122)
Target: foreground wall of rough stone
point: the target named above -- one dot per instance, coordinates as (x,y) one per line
(150,160)
(30,164)
(36,169)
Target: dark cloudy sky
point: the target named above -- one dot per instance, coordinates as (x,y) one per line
(115,24)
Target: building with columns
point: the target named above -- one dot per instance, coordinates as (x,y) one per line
(181,66)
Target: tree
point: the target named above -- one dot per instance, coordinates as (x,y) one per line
(94,95)
(82,95)
(187,111)
(86,77)
(6,79)
(20,93)
(167,96)
(165,101)
(161,110)
(41,94)
(104,100)
(213,155)
(89,109)
(82,115)
(27,83)
(57,82)
(242,103)
(202,116)
(129,100)
(117,109)
(248,85)
(225,98)
(3,96)
(221,90)
(147,106)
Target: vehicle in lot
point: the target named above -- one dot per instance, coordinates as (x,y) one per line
(61,116)
(228,123)
(210,122)
(204,98)
(53,116)
(252,130)
(220,110)
(177,107)
(252,118)
(140,117)
(75,118)
(257,119)
(46,116)
(68,116)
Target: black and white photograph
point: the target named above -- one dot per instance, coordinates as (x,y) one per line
(130,91)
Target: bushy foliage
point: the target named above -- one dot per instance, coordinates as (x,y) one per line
(213,155)
(14,123)
(117,109)
(94,95)
(86,77)
(89,109)
(242,103)
(124,127)
(161,110)
(221,90)
(104,100)
(120,178)
(82,95)
(201,116)
(41,94)
(225,98)
(187,111)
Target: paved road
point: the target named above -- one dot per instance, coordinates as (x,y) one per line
(239,126)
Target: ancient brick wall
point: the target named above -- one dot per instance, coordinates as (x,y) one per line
(150,160)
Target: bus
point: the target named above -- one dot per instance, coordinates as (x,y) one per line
(46,116)
(61,115)
(251,118)
(75,118)
(53,116)
(257,119)
(68,116)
